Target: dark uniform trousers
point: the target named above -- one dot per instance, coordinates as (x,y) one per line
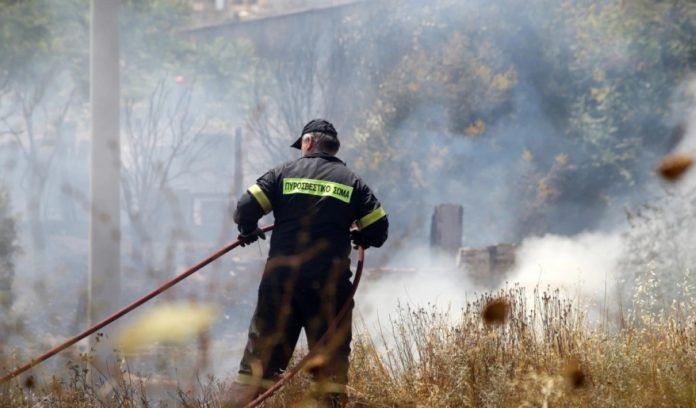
(282,311)
(281,314)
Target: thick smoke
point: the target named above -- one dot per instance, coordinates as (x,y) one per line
(417,278)
(584,268)
(577,236)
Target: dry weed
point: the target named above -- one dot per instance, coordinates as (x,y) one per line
(542,354)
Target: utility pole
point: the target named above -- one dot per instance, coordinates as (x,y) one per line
(105,167)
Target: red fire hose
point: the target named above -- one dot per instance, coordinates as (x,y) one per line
(279,384)
(50,353)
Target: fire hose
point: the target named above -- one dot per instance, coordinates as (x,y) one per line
(279,384)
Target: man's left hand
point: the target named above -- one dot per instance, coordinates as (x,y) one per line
(247,238)
(358,239)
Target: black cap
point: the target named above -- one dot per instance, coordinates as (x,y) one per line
(316,125)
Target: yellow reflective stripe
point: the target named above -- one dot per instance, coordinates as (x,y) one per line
(261,197)
(327,387)
(246,379)
(318,188)
(371,218)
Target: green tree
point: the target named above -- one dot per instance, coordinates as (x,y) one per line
(449,83)
(603,76)
(615,67)
(39,90)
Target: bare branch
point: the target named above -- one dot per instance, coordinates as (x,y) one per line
(163,144)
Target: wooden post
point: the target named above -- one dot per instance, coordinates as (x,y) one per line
(446,228)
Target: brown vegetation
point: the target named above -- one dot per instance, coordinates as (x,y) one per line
(544,354)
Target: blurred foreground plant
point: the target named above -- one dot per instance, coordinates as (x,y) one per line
(543,354)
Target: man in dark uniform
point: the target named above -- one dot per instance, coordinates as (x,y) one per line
(306,281)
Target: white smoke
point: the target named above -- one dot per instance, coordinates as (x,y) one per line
(421,280)
(584,268)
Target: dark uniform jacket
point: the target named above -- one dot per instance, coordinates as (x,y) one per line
(315,200)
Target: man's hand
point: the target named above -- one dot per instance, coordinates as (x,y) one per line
(358,240)
(247,238)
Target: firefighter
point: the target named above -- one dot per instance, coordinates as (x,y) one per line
(315,200)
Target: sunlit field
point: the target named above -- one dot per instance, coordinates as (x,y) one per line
(510,348)
(559,135)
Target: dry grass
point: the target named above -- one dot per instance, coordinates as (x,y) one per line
(543,354)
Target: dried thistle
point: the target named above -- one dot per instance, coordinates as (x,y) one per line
(496,311)
(673,167)
(29,382)
(572,372)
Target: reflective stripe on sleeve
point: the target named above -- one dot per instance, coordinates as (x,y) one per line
(246,379)
(371,218)
(261,198)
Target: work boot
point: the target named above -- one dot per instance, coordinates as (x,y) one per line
(333,400)
(239,395)
(336,400)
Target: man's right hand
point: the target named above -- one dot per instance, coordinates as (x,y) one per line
(246,238)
